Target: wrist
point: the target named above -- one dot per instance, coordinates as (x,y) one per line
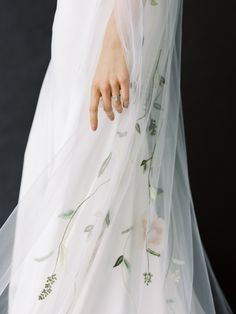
(111,38)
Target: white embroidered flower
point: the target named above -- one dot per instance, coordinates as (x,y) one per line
(175,275)
(177,261)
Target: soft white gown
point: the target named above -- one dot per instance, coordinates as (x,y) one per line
(105,222)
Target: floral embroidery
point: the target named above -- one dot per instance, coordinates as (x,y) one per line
(177,261)
(88,228)
(61,248)
(154,235)
(67,214)
(104,164)
(106,223)
(43,258)
(48,286)
(153,242)
(107,219)
(175,275)
(122,259)
(121,134)
(137,127)
(152,127)
(159,81)
(175,272)
(157,105)
(154,2)
(147,278)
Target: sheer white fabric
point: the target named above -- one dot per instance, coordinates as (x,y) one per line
(105,221)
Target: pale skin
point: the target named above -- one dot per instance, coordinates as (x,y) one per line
(111,77)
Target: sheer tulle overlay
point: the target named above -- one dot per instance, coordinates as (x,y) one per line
(105,221)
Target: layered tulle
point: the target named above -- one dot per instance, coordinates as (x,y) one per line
(105,221)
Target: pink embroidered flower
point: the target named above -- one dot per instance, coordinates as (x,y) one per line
(153,233)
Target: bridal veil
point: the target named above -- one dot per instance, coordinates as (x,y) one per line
(107,216)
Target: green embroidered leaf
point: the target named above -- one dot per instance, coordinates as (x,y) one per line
(43,258)
(127,230)
(88,228)
(119,261)
(154,2)
(157,105)
(144,164)
(104,164)
(137,127)
(107,219)
(122,134)
(153,252)
(127,263)
(162,81)
(66,215)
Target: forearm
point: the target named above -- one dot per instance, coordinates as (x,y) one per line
(111,37)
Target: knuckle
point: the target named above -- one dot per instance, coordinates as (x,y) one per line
(95,86)
(114,82)
(124,80)
(105,86)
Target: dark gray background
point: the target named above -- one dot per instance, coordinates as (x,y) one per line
(208,92)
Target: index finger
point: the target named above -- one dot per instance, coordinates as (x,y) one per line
(93,109)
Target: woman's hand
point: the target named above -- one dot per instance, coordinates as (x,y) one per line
(111,76)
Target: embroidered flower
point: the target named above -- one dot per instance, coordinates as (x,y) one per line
(154,233)
(175,275)
(147,278)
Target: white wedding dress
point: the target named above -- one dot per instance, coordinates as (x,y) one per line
(105,222)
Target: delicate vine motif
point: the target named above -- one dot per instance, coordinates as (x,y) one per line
(70,214)
(122,259)
(159,80)
(152,195)
(147,163)
(105,164)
